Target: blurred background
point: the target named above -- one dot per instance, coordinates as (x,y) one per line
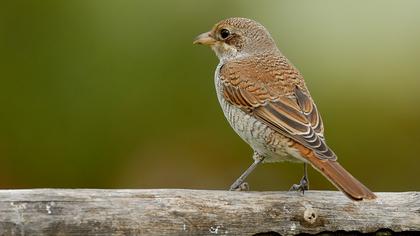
(112,94)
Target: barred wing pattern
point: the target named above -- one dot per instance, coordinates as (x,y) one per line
(290,111)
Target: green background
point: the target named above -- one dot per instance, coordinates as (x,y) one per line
(112,94)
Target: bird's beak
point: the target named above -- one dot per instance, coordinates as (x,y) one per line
(205,39)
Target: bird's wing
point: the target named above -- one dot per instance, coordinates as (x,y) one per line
(278,97)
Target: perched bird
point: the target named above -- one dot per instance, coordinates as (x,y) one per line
(266,101)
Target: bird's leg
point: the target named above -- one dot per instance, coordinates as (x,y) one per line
(304,182)
(239,184)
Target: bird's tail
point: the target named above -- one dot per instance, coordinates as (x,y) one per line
(341,178)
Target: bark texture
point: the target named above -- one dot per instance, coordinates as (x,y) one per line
(201,212)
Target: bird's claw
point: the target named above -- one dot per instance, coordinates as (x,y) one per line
(302,186)
(242,187)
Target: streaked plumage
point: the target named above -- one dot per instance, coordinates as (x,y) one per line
(266,101)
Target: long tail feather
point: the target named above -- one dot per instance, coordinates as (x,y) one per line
(341,178)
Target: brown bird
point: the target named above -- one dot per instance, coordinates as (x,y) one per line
(266,101)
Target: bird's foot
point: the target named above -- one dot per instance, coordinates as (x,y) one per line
(302,186)
(242,187)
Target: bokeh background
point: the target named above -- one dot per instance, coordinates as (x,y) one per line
(112,94)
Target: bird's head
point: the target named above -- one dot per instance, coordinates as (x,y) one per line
(236,37)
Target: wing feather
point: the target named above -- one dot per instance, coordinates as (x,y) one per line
(290,112)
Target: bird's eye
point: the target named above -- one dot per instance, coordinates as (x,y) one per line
(224,33)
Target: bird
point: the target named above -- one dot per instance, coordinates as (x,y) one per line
(267,103)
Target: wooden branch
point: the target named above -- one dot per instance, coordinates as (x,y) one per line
(200,212)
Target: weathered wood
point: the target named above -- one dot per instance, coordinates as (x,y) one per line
(200,212)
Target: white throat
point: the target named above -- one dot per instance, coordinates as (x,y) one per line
(224,51)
